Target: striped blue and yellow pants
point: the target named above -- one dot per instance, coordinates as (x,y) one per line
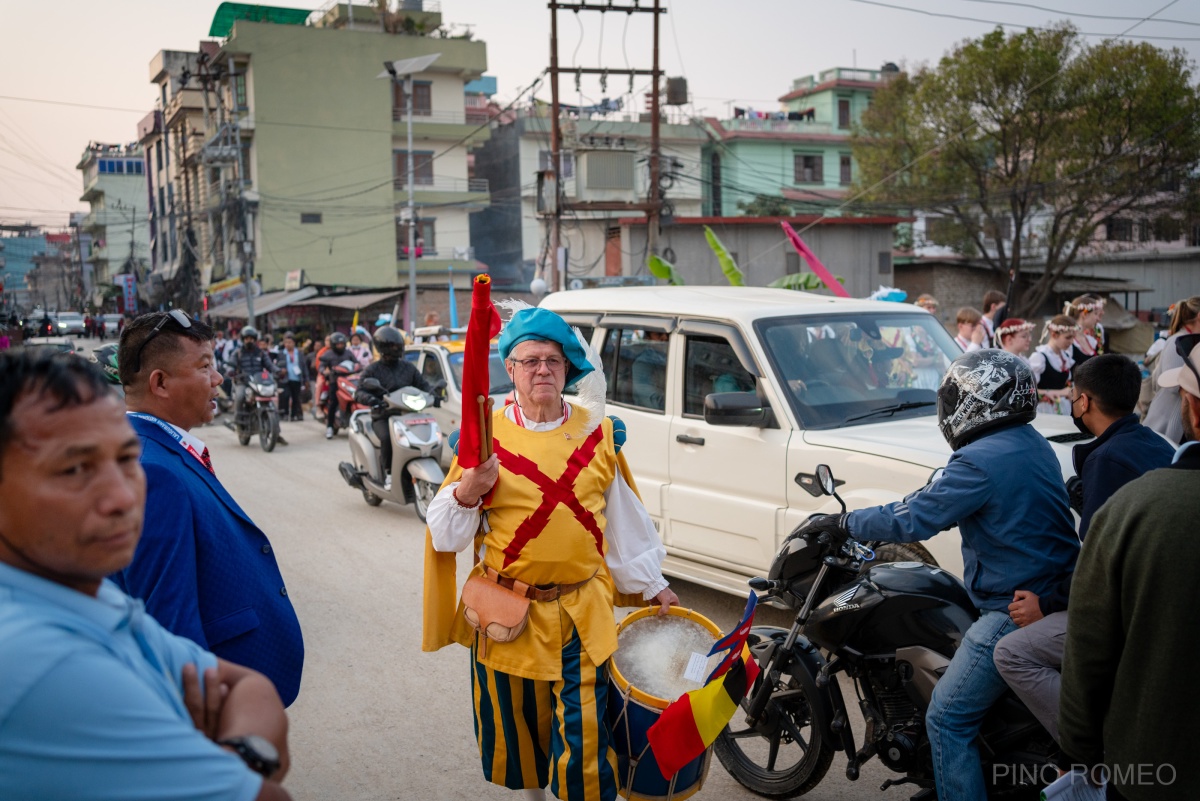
(531,733)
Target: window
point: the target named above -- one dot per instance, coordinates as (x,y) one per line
(158,154)
(166,140)
(422,98)
(941,231)
(162,202)
(809,169)
(1167,229)
(422,168)
(843,112)
(239,91)
(426,240)
(635,365)
(247,177)
(845,169)
(431,369)
(715,168)
(310,218)
(1118,229)
(998,229)
(710,365)
(567,160)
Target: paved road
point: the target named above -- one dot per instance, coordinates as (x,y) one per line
(376,717)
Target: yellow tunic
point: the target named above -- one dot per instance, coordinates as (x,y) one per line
(547,522)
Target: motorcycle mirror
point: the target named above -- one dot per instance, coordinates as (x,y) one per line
(372,384)
(825,479)
(935,475)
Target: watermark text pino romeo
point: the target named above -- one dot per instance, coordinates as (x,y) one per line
(1141,774)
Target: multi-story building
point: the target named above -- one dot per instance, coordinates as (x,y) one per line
(172,136)
(799,152)
(19,246)
(306,154)
(605,157)
(114,185)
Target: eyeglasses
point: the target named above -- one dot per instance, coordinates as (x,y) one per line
(1184,346)
(553,363)
(180,319)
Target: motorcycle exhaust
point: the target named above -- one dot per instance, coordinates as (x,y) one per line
(350,475)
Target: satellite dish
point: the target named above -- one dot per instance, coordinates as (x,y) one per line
(575,284)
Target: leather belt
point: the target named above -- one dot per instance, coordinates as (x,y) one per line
(540,592)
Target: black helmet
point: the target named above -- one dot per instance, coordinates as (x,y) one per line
(337,341)
(106,358)
(984,390)
(249,332)
(389,343)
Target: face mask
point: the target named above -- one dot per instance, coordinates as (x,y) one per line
(1078,421)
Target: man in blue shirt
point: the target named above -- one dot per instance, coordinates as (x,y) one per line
(97,700)
(1003,489)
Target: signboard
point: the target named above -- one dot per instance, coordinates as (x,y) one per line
(293,280)
(128,285)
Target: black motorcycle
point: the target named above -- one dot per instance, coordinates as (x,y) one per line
(259,410)
(892,629)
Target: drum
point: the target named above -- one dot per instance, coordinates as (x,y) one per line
(650,670)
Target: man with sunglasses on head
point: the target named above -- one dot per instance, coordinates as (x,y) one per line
(1130,646)
(203,568)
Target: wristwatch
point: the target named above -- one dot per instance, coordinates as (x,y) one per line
(257,752)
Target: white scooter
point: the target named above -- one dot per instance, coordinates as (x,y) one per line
(416,451)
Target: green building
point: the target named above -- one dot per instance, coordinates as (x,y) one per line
(307,150)
(799,152)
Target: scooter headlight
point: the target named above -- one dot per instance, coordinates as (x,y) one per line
(414,401)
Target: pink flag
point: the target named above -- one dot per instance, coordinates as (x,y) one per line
(814,263)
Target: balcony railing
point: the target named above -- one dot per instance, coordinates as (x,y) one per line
(779,126)
(422,252)
(442,183)
(463,116)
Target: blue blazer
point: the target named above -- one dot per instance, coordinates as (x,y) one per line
(206,572)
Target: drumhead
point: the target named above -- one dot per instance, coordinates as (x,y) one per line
(665,656)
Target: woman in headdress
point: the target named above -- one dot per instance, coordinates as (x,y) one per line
(1052,362)
(1015,336)
(1086,311)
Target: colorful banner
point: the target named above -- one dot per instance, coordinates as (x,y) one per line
(814,263)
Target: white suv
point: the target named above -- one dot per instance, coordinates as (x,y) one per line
(733,395)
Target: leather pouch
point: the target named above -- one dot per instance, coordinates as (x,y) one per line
(495,612)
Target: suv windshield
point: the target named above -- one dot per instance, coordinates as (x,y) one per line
(851,369)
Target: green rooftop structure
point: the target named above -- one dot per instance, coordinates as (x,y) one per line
(228,13)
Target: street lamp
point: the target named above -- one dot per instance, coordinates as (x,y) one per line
(395,70)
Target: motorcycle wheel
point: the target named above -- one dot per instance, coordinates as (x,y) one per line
(788,733)
(372,499)
(268,429)
(423,492)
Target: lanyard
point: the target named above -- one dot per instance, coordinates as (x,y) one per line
(170,429)
(519,419)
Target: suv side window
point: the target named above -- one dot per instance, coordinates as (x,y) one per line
(635,366)
(710,365)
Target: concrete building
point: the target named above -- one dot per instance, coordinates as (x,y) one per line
(172,136)
(855,249)
(306,150)
(605,158)
(19,246)
(114,185)
(800,151)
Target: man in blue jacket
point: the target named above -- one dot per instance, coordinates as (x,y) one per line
(1104,395)
(1003,489)
(203,568)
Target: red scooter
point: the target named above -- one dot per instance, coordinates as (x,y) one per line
(344,382)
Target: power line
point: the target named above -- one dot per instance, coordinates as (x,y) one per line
(1078,13)
(73,105)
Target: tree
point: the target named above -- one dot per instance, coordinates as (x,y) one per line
(766,206)
(1033,133)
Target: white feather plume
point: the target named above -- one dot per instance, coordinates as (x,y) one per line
(592,388)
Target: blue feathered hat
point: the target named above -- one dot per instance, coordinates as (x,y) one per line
(543,325)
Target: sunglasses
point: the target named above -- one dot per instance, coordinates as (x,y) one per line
(1184,346)
(180,319)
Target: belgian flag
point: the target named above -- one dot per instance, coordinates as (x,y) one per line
(692,722)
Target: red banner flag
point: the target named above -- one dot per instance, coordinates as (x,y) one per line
(481,327)
(814,263)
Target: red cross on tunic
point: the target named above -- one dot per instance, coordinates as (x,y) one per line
(554,492)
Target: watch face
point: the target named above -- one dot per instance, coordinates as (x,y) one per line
(257,752)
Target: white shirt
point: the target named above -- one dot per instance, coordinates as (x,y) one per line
(187,440)
(635,552)
(967,345)
(1043,354)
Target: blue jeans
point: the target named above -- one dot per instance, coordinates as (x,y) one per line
(960,701)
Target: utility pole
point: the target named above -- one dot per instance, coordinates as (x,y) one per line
(652,206)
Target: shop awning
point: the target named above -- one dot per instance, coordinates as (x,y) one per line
(352,302)
(263,304)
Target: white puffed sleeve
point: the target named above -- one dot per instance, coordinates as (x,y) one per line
(635,552)
(451,525)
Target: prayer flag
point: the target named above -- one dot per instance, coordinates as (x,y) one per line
(476,382)
(814,263)
(692,722)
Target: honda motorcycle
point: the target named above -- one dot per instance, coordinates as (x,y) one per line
(892,629)
(416,471)
(259,413)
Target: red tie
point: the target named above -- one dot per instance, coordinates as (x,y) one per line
(207,461)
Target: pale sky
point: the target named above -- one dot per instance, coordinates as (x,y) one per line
(731,51)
